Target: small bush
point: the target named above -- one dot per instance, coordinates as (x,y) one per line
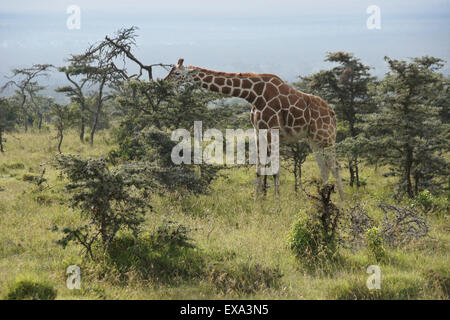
(428,202)
(315,234)
(425,200)
(305,239)
(109,199)
(167,255)
(375,245)
(31,290)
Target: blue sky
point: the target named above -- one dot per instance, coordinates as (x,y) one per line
(285,37)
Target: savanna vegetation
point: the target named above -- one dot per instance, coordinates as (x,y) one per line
(91,183)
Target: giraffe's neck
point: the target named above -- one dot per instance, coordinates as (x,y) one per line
(248,86)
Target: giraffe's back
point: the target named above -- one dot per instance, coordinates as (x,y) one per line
(296,114)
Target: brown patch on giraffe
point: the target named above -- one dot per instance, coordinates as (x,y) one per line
(290,120)
(276,81)
(275,104)
(300,104)
(229,82)
(312,126)
(236,92)
(255,79)
(273,122)
(246,84)
(197,78)
(323,111)
(219,81)
(284,89)
(208,79)
(314,112)
(262,125)
(205,85)
(319,123)
(258,88)
(251,97)
(296,112)
(307,99)
(244,94)
(284,101)
(236,82)
(260,103)
(300,122)
(270,92)
(283,116)
(268,112)
(226,90)
(293,99)
(201,75)
(213,87)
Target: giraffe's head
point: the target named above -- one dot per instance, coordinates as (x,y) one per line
(181,74)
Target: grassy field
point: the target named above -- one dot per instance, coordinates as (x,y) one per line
(241,245)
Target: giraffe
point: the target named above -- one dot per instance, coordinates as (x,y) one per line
(275,105)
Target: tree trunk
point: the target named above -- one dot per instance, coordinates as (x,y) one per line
(61,137)
(295,177)
(352,173)
(408,165)
(83,122)
(1,141)
(99,109)
(358,184)
(300,174)
(40,122)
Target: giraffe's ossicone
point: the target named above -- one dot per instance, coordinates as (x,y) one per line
(275,105)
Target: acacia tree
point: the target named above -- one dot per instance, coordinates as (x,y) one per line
(62,119)
(7,119)
(120,46)
(346,87)
(78,74)
(295,154)
(108,199)
(408,133)
(24,80)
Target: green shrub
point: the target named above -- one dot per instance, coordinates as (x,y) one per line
(314,235)
(375,246)
(305,239)
(167,255)
(427,201)
(111,199)
(31,290)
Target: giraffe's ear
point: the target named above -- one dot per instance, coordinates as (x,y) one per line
(180,63)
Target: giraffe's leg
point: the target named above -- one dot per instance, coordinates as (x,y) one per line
(259,178)
(276,176)
(321,161)
(276,179)
(334,167)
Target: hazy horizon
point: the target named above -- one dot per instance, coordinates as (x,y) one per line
(288,38)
